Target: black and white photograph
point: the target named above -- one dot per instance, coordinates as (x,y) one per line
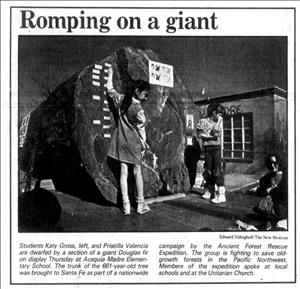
(104,149)
(149,143)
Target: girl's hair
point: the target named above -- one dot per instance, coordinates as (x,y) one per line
(142,85)
(139,84)
(271,159)
(217,107)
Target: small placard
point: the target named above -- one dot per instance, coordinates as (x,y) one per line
(96,71)
(189,141)
(96,121)
(96,97)
(189,121)
(98,66)
(161,74)
(96,83)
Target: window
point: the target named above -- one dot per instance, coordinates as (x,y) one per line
(238,137)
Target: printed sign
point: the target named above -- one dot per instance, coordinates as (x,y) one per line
(189,121)
(160,74)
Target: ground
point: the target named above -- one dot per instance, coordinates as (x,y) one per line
(185,213)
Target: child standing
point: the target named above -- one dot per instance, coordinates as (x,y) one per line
(129,138)
(210,131)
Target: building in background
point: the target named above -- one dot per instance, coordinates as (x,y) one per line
(255,125)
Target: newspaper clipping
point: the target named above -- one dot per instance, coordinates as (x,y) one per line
(148,144)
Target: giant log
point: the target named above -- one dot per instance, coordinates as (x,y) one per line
(68,135)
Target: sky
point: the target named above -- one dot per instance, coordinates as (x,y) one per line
(221,65)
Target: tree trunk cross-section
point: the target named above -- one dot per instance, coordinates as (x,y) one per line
(69,133)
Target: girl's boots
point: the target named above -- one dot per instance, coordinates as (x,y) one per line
(220,196)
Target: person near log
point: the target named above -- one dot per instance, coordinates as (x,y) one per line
(128,141)
(209,131)
(270,180)
(191,157)
(272,188)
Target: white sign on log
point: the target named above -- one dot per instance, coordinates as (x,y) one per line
(161,74)
(189,121)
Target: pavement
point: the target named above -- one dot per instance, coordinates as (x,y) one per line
(178,213)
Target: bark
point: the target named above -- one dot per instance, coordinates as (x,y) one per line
(64,142)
